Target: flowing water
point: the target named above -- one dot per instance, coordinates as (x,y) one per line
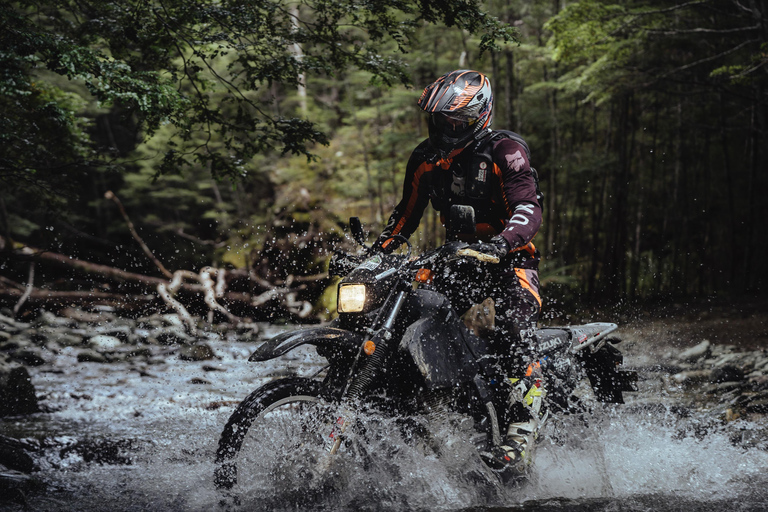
(139,436)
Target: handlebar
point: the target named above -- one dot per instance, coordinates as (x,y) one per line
(485,258)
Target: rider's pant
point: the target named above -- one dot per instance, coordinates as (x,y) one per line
(515,293)
(517,303)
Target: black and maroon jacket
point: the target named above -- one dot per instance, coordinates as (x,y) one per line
(506,205)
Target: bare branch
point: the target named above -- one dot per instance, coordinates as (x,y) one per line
(702,31)
(701,61)
(28,291)
(158,264)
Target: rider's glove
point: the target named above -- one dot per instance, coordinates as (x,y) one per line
(496,246)
(386,244)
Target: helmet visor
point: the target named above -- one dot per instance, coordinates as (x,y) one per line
(452,125)
(449,132)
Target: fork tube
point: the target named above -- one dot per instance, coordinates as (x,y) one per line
(399,301)
(372,364)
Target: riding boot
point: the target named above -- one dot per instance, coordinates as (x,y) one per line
(527,415)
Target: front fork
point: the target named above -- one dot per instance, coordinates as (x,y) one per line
(375,350)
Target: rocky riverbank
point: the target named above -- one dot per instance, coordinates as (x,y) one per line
(723,387)
(86,337)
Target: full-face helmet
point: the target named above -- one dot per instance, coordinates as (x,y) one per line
(460,107)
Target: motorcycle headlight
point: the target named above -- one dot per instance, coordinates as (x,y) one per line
(351,298)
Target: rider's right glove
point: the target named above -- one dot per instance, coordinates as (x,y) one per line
(496,246)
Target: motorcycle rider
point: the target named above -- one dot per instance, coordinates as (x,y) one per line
(464,162)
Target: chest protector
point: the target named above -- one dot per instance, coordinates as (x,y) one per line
(477,180)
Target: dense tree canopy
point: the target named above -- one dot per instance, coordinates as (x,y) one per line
(647,121)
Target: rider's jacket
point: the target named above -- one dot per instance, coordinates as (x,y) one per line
(493,176)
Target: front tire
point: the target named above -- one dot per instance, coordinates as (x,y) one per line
(283,417)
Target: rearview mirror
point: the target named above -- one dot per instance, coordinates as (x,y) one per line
(356,227)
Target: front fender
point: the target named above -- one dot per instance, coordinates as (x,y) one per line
(329,341)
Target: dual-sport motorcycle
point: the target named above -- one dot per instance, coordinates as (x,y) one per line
(398,350)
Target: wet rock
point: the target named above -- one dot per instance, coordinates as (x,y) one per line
(103,342)
(100,451)
(14,455)
(692,377)
(78,315)
(759,406)
(28,357)
(91,356)
(44,335)
(122,332)
(199,352)
(14,485)
(759,382)
(173,336)
(727,373)
(724,387)
(700,351)
(17,394)
(9,325)
(138,352)
(46,318)
(726,359)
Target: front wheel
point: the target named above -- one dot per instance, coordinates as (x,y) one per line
(279,422)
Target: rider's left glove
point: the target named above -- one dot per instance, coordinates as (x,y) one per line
(386,244)
(496,246)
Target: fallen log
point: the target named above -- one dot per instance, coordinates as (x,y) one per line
(87,267)
(39,296)
(160,292)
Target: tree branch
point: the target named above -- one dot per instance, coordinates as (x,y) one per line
(158,264)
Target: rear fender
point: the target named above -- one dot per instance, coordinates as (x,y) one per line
(589,335)
(330,342)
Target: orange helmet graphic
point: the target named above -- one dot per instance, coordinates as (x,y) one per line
(460,104)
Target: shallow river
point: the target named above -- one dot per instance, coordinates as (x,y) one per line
(161,423)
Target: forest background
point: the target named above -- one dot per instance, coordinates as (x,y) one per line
(242,136)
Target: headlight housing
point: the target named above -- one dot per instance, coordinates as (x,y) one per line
(351,298)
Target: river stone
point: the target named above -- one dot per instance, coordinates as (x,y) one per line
(104,342)
(13,455)
(88,317)
(172,336)
(17,394)
(199,352)
(14,485)
(8,324)
(90,356)
(692,376)
(701,350)
(49,319)
(29,357)
(759,406)
(65,339)
(727,373)
(122,332)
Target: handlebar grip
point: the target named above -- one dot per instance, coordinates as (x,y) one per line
(485,258)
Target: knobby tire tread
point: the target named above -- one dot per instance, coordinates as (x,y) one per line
(254,404)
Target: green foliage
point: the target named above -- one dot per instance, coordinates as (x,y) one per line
(235,132)
(114,95)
